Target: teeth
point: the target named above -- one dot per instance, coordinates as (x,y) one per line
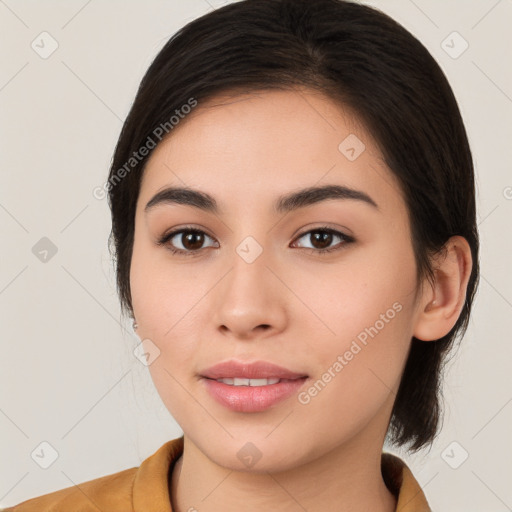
(248,382)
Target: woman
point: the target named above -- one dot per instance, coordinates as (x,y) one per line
(294,229)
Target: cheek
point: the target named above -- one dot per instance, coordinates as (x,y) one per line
(358,371)
(366,311)
(163,298)
(373,290)
(169,382)
(162,293)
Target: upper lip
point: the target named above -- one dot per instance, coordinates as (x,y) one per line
(246,370)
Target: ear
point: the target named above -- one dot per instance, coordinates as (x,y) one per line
(441,304)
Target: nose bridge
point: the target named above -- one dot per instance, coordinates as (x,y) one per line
(248,296)
(249,270)
(252,247)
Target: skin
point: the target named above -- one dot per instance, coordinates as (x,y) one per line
(290,306)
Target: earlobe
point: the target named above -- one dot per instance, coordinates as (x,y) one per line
(441,305)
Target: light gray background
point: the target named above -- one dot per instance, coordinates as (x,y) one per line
(68,375)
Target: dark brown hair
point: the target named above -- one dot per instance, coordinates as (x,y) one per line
(364,60)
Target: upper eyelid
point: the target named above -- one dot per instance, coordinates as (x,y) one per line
(322,228)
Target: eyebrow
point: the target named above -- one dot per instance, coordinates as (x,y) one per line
(283,204)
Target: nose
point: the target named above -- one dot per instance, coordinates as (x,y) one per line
(250,301)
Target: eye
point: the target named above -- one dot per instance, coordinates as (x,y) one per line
(322,237)
(187,241)
(184,241)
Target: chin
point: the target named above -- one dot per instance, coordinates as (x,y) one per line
(255,454)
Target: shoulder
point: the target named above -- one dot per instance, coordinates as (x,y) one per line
(142,488)
(403,485)
(111,492)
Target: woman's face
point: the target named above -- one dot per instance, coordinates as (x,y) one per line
(253,284)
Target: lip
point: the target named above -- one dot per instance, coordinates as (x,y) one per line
(253,370)
(251,398)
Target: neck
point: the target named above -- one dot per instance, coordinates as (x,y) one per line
(347,478)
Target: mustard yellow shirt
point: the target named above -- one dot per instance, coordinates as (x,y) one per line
(146,488)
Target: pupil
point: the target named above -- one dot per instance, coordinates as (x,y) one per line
(190,238)
(323,237)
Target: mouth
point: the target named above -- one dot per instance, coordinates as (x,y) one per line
(251,387)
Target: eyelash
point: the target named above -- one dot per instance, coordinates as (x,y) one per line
(346,239)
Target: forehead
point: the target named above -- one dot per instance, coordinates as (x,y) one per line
(257,146)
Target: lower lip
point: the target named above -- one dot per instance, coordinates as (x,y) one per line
(252,398)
